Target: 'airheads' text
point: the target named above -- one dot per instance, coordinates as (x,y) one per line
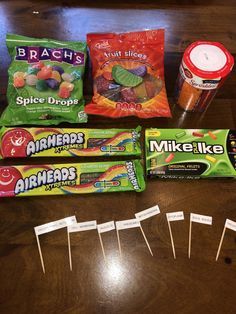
(64,176)
(53,141)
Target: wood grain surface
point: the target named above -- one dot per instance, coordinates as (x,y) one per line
(137,282)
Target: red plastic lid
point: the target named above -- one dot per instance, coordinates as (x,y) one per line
(208,59)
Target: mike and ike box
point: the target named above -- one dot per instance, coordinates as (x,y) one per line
(190,153)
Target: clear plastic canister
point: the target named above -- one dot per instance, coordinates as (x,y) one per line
(204,68)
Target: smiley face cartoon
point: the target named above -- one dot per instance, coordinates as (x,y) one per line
(8,178)
(14,143)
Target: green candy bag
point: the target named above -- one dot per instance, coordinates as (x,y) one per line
(45,81)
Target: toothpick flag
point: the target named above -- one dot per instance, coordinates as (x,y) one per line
(49,227)
(126,224)
(229,224)
(174,216)
(105,227)
(202,219)
(145,214)
(78,227)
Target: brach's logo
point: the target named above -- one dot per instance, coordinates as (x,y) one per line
(53,141)
(46,177)
(194,147)
(35,54)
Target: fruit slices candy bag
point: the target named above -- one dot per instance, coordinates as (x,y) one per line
(128,74)
(45,81)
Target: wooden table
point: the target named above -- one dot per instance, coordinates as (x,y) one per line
(137,283)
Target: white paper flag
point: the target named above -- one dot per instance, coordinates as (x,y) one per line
(174,216)
(147,213)
(230,224)
(106,226)
(55,225)
(83,226)
(127,224)
(202,219)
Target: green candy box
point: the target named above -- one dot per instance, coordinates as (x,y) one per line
(190,153)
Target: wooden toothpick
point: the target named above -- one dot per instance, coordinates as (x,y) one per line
(103,251)
(40,254)
(220,245)
(118,238)
(78,227)
(189,239)
(171,239)
(145,238)
(69,249)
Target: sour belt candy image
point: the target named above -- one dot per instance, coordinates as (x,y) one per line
(45,81)
(64,179)
(58,142)
(190,153)
(128,74)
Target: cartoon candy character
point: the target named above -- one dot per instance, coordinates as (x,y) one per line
(8,178)
(14,143)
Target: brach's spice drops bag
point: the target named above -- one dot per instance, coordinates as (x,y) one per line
(63,179)
(128,74)
(45,81)
(58,142)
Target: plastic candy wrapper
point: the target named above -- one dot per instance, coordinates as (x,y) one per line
(190,153)
(45,81)
(57,142)
(64,179)
(128,74)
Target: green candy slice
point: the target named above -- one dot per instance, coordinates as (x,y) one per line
(124,77)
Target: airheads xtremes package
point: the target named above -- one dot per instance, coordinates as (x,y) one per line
(190,153)
(45,81)
(57,142)
(63,179)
